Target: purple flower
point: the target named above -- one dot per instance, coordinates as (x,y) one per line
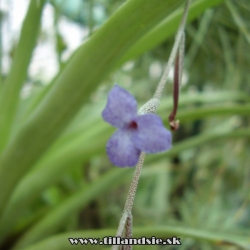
(135,133)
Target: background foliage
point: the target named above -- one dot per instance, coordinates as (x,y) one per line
(56,181)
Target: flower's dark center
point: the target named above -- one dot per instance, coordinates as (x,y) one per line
(133,125)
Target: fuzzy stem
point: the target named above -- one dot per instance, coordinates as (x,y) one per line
(150,107)
(127,215)
(134,183)
(172,57)
(129,231)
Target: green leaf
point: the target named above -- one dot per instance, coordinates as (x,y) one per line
(198,140)
(238,20)
(49,170)
(69,149)
(155,36)
(9,95)
(195,114)
(56,218)
(167,28)
(86,69)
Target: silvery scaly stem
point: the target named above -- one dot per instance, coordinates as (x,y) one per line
(127,215)
(178,39)
(129,232)
(149,108)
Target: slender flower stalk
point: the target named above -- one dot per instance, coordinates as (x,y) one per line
(178,69)
(171,59)
(172,122)
(125,225)
(126,219)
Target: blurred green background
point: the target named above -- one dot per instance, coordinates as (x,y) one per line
(64,185)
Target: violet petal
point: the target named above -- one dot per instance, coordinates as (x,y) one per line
(121,150)
(121,107)
(151,135)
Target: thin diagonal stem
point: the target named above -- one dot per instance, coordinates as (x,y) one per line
(170,62)
(178,69)
(129,231)
(134,184)
(150,107)
(181,57)
(176,88)
(126,219)
(132,190)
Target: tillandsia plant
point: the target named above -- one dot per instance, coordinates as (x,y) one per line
(57,190)
(142,133)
